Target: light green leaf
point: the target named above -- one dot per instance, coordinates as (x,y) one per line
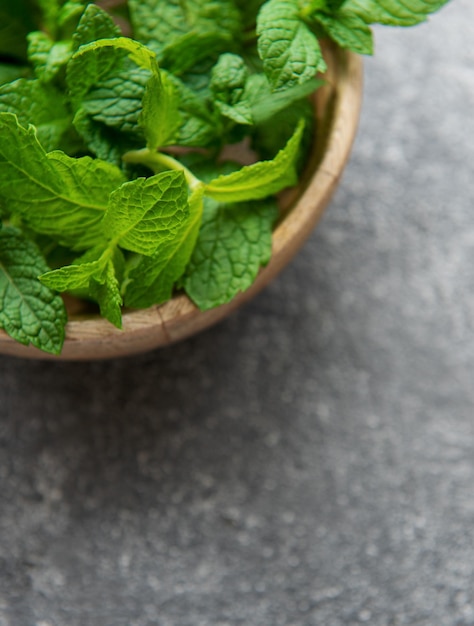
(49,14)
(233,244)
(199,127)
(146,213)
(105,289)
(137,52)
(183,32)
(160,116)
(105,87)
(106,142)
(229,78)
(56,195)
(39,104)
(73,277)
(94,24)
(289,50)
(151,281)
(48,57)
(108,90)
(117,100)
(393,12)
(29,311)
(348,30)
(261,179)
(97,278)
(265,104)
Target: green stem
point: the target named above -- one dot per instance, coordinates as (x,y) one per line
(158,161)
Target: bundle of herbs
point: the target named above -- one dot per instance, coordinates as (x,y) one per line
(113,121)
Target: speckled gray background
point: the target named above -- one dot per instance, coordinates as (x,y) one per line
(310,461)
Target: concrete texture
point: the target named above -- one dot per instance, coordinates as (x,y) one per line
(310,461)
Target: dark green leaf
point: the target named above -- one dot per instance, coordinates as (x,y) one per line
(29,312)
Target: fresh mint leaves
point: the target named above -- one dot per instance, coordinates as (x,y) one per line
(111,146)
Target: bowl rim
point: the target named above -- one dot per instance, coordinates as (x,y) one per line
(337,107)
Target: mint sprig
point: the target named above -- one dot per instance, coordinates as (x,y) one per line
(111,146)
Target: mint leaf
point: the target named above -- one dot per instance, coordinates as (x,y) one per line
(146,213)
(105,289)
(289,50)
(271,135)
(94,24)
(48,58)
(393,12)
(151,280)
(347,29)
(199,126)
(55,194)
(234,242)
(229,78)
(107,91)
(106,142)
(73,277)
(160,116)
(183,32)
(117,100)
(29,311)
(265,104)
(50,10)
(98,278)
(39,104)
(261,179)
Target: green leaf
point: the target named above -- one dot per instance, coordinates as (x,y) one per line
(70,16)
(393,12)
(144,214)
(107,143)
(151,281)
(160,116)
(183,32)
(108,91)
(348,30)
(265,104)
(55,194)
(229,78)
(29,311)
(39,104)
(73,277)
(47,57)
(289,50)
(97,278)
(261,179)
(94,24)
(137,52)
(199,127)
(117,100)
(272,135)
(50,10)
(105,289)
(124,95)
(233,244)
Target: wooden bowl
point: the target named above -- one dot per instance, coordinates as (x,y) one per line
(336,107)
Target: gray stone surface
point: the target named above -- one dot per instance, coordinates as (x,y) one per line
(310,461)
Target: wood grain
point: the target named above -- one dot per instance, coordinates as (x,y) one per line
(337,107)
